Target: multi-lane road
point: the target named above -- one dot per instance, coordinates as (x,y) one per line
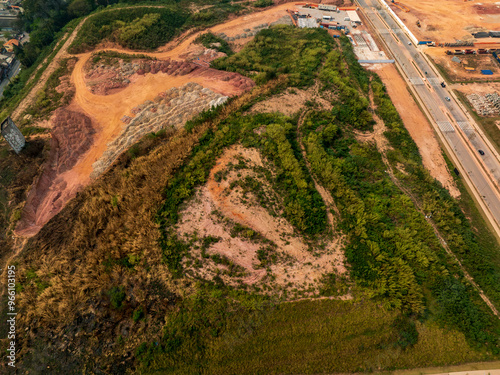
(461,135)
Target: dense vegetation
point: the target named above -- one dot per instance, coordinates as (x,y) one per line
(303,205)
(270,56)
(393,251)
(115,246)
(135,28)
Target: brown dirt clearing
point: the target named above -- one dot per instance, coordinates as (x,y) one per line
(457,71)
(290,101)
(105,112)
(446,20)
(418,126)
(477,88)
(217,206)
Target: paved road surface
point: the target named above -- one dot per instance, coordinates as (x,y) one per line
(453,123)
(13,72)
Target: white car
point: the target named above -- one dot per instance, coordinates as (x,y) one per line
(409,43)
(447,98)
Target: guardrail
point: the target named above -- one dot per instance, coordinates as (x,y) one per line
(401,23)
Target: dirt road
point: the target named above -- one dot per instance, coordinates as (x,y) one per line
(106,112)
(418,126)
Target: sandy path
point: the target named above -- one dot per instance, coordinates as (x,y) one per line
(419,128)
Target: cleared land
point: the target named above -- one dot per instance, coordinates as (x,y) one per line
(449,20)
(50,195)
(418,126)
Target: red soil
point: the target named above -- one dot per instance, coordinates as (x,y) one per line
(487,9)
(72,135)
(56,187)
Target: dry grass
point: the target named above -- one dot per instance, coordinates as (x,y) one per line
(79,255)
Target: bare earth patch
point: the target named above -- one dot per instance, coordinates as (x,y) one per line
(218,206)
(448,19)
(289,102)
(418,127)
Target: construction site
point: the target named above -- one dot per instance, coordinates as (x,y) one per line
(468,29)
(340,21)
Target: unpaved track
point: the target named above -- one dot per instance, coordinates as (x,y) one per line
(106,111)
(418,126)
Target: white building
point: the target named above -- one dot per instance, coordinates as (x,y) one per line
(353,16)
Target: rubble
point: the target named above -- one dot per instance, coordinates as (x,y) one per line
(485,105)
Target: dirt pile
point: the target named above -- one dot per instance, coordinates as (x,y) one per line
(170,109)
(109,79)
(201,55)
(72,135)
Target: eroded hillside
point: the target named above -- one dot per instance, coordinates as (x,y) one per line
(293,229)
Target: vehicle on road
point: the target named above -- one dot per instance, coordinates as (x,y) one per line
(443,84)
(409,43)
(447,98)
(480,152)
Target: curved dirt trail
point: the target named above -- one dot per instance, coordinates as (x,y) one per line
(106,111)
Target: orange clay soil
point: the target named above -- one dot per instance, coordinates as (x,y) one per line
(418,126)
(295,261)
(446,20)
(105,112)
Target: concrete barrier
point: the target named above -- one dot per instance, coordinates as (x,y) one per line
(376,61)
(401,23)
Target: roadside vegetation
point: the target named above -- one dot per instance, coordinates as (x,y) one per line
(135,28)
(113,258)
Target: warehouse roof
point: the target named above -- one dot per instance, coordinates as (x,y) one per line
(353,15)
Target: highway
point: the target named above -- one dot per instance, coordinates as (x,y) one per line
(450,120)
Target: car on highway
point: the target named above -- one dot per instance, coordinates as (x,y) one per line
(447,98)
(481,152)
(409,43)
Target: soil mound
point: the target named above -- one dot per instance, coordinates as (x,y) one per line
(72,135)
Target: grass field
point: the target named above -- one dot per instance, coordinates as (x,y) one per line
(323,336)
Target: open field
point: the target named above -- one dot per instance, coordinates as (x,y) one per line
(449,20)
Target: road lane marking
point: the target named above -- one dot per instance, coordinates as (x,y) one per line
(446,126)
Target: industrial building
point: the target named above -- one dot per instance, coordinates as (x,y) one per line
(353,16)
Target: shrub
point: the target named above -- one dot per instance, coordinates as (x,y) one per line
(116,297)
